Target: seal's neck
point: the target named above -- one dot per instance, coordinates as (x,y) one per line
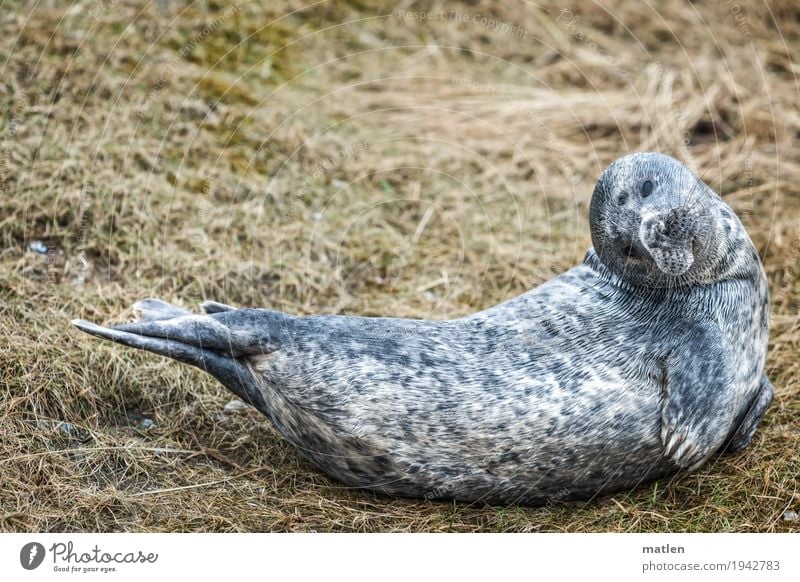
(735,260)
(594,262)
(735,256)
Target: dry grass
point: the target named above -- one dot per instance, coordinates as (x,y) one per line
(343,158)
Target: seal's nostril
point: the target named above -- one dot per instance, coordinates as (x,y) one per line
(629,252)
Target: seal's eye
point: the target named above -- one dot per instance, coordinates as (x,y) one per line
(647,188)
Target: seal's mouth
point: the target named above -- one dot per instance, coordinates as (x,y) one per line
(668,237)
(631,253)
(673,262)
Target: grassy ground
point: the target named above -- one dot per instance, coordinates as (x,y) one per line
(350,158)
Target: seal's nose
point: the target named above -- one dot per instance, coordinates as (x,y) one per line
(676,224)
(667,234)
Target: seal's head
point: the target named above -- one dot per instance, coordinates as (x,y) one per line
(654,223)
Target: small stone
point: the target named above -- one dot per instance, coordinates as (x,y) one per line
(790,516)
(147,423)
(235,406)
(73,432)
(38,246)
(68,428)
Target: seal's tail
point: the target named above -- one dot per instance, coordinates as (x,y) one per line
(215,342)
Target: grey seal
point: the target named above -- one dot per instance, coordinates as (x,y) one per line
(645,359)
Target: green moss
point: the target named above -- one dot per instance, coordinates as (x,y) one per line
(225,89)
(240,44)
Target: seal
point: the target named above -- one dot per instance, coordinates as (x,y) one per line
(646,359)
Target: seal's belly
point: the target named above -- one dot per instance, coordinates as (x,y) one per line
(488,428)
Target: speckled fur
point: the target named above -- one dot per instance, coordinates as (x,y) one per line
(645,359)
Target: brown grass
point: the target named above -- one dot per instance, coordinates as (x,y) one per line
(341,158)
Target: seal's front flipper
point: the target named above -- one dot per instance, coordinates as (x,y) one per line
(747,428)
(699,407)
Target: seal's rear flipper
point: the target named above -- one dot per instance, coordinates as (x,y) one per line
(210,307)
(231,372)
(155,309)
(152,309)
(232,332)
